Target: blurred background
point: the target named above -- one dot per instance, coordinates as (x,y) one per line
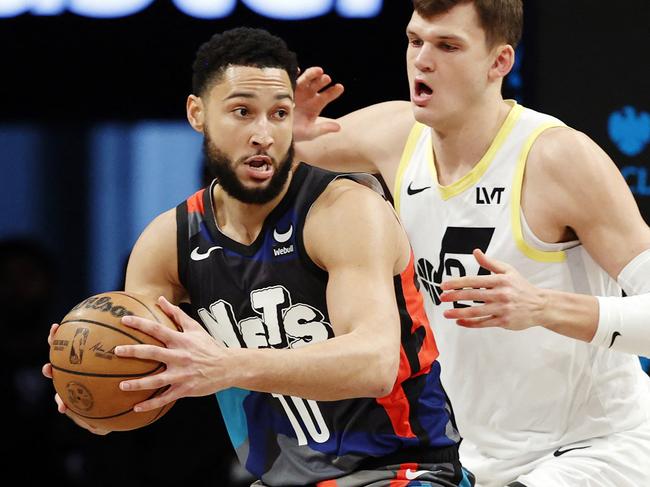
(94,144)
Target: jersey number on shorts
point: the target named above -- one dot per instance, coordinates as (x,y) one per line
(308,415)
(455,256)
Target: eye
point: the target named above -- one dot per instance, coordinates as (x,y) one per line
(241,111)
(415,42)
(448,47)
(281,113)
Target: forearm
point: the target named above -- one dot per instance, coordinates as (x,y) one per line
(615,322)
(571,315)
(340,368)
(624,322)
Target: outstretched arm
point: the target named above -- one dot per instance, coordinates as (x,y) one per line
(370,139)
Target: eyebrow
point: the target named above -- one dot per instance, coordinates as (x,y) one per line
(246,94)
(445,37)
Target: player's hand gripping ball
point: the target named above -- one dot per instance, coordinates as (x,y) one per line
(87,373)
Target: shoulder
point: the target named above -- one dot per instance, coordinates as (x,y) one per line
(152,267)
(351,221)
(343,197)
(157,242)
(573,176)
(563,151)
(163,225)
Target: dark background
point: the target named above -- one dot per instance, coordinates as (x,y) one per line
(580,61)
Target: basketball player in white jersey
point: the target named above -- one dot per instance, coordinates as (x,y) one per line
(524,232)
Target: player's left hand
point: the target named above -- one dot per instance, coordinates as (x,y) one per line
(192,358)
(510,301)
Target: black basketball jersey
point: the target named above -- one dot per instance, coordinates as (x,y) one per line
(271,295)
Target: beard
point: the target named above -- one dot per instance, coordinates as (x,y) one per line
(222,167)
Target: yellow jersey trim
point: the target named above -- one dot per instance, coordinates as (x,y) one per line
(407,155)
(547,256)
(477,171)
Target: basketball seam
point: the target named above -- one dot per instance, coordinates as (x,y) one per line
(155,393)
(147,307)
(137,300)
(92,374)
(83,320)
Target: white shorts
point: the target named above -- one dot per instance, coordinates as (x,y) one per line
(618,460)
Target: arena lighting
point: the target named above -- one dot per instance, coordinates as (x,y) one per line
(202,9)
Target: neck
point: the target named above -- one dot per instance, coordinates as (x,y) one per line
(240,221)
(459,144)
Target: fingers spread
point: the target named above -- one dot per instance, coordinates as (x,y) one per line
(156,402)
(327,127)
(61,407)
(143,351)
(482,322)
(331,93)
(465,295)
(155,381)
(470,312)
(53,328)
(310,74)
(476,282)
(46,370)
(149,327)
(492,265)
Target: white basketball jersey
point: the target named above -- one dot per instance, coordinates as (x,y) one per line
(512,391)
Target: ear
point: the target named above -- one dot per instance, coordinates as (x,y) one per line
(503,61)
(195,112)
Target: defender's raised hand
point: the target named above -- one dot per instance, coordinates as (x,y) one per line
(311,96)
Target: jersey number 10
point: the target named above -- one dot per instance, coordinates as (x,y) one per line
(308,415)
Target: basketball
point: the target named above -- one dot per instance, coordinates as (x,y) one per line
(87,373)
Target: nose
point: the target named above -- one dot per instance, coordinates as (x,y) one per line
(424,61)
(261,137)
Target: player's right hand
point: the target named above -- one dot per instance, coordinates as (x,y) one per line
(312,95)
(60,405)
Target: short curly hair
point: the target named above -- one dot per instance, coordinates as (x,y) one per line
(242,46)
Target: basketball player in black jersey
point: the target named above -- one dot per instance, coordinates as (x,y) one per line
(313,333)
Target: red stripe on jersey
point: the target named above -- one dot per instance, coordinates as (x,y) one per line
(327,483)
(195,202)
(415,307)
(400,476)
(396,403)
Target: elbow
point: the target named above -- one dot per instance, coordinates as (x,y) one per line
(384,374)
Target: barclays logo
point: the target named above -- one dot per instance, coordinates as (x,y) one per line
(638,179)
(629,130)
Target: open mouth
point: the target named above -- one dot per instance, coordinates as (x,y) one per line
(422,89)
(259,163)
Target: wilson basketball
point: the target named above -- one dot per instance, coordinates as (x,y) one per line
(87,373)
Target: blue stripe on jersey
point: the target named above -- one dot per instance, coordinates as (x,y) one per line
(465,482)
(433,399)
(205,233)
(231,405)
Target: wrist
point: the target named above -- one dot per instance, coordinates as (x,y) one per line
(571,315)
(541,316)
